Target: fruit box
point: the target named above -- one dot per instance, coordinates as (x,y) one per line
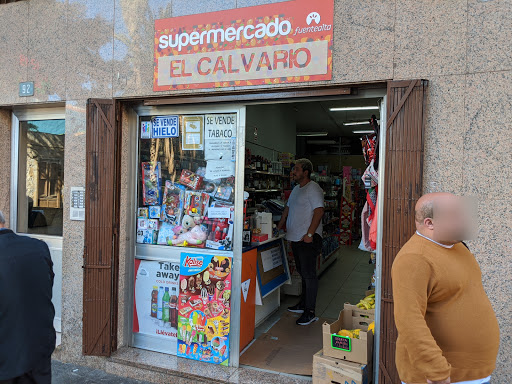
(327,370)
(346,348)
(365,313)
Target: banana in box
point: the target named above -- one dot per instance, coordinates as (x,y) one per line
(349,338)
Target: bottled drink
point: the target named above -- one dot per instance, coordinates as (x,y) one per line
(154,301)
(173,308)
(165,305)
(160,303)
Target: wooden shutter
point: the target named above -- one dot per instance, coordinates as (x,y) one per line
(403,187)
(101,259)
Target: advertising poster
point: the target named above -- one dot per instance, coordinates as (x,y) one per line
(204,307)
(285,42)
(193,131)
(220,137)
(156,298)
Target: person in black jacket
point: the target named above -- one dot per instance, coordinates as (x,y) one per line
(27,336)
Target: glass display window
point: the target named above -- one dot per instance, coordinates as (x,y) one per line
(186,183)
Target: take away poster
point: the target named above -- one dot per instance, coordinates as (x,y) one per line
(285,42)
(156,314)
(204,308)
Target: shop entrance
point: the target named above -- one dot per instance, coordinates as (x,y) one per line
(401,114)
(340,137)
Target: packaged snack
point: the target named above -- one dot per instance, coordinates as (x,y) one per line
(154,212)
(151,183)
(143,212)
(190,179)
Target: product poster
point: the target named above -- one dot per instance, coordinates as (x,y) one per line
(220,137)
(204,308)
(156,298)
(193,133)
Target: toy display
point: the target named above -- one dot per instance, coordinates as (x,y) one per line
(151,188)
(175,198)
(191,180)
(204,308)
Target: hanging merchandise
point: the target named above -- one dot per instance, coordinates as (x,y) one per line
(151,177)
(204,308)
(372,236)
(370,176)
(365,230)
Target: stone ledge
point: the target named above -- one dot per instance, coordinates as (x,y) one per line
(160,368)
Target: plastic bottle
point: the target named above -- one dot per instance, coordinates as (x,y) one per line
(173,308)
(160,303)
(154,301)
(165,306)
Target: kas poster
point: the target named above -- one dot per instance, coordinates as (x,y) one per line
(204,306)
(156,298)
(286,42)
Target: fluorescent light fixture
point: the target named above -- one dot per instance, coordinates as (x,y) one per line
(354,108)
(308,134)
(364,131)
(358,123)
(321,142)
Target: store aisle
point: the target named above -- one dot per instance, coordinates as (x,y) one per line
(346,280)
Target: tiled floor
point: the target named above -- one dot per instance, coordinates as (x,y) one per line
(345,280)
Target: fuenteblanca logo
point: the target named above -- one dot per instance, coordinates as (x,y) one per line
(193,262)
(220,35)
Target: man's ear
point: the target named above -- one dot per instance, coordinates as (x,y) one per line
(429,223)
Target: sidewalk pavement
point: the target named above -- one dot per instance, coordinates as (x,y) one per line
(63,373)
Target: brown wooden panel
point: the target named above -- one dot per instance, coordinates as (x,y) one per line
(101,229)
(403,187)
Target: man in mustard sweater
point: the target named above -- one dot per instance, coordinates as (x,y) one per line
(447,329)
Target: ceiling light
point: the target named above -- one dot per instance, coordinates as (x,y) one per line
(321,142)
(358,123)
(364,131)
(312,134)
(354,108)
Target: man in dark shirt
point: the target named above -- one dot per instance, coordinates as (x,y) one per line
(27,336)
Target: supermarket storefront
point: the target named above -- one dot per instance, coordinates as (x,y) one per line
(163,169)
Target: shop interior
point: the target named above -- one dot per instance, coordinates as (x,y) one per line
(340,139)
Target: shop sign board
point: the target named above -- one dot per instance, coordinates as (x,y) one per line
(156,299)
(204,307)
(285,42)
(164,126)
(220,137)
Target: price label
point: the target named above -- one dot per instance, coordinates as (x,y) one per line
(341,342)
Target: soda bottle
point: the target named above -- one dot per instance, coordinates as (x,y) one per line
(173,308)
(165,305)
(154,301)
(160,303)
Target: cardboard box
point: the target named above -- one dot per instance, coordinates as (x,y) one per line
(364,313)
(327,370)
(259,238)
(349,349)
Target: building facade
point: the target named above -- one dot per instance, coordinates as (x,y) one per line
(76,50)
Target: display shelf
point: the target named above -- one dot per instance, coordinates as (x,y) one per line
(333,220)
(262,190)
(264,172)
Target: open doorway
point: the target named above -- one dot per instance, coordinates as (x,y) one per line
(340,137)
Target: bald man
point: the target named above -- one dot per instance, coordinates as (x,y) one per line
(447,329)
